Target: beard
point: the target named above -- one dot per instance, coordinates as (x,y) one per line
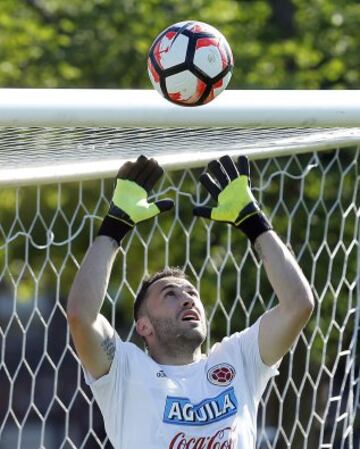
(178,338)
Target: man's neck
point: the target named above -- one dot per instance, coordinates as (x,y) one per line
(177,357)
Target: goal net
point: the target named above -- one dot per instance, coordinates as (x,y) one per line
(56,182)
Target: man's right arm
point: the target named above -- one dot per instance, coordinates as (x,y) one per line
(92,334)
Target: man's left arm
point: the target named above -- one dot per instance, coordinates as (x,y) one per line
(281,325)
(229,185)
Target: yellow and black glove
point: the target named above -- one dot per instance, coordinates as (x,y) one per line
(129,205)
(232,191)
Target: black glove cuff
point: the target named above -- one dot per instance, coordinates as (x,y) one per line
(114,228)
(255,225)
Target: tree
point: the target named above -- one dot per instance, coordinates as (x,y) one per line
(101,43)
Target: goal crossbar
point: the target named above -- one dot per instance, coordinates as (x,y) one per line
(142,108)
(60,135)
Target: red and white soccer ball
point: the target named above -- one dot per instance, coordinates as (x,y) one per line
(190,63)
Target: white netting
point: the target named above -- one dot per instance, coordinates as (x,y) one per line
(32,155)
(313,201)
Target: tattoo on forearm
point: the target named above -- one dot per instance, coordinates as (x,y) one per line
(109,347)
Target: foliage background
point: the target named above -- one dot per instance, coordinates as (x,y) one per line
(277,44)
(103,43)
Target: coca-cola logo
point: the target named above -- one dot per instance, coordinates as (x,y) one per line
(221,375)
(222,439)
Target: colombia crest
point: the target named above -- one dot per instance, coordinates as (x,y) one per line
(221,374)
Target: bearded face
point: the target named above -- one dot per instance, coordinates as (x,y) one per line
(179,331)
(176,315)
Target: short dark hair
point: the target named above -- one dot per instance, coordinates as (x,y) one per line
(165,273)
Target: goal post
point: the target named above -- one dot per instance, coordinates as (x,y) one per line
(59,150)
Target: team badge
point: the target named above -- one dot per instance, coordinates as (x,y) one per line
(221,374)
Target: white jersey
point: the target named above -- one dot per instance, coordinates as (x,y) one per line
(208,404)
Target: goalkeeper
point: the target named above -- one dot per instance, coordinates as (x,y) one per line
(173,396)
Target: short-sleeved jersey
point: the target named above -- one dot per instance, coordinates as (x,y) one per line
(211,403)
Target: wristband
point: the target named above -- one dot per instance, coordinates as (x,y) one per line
(114,228)
(255,225)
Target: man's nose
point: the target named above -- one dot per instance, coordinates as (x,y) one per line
(187,300)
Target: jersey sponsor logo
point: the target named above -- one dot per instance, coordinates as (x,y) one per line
(222,374)
(161,374)
(182,411)
(221,439)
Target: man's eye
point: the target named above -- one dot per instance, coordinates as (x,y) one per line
(192,292)
(170,293)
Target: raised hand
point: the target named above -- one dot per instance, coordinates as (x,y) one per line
(129,205)
(231,190)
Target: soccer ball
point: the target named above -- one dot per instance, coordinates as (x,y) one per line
(190,63)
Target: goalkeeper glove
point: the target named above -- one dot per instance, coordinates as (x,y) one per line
(236,203)
(129,205)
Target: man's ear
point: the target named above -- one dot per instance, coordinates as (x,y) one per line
(144,327)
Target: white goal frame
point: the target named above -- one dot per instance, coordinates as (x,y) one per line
(142,109)
(51,138)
